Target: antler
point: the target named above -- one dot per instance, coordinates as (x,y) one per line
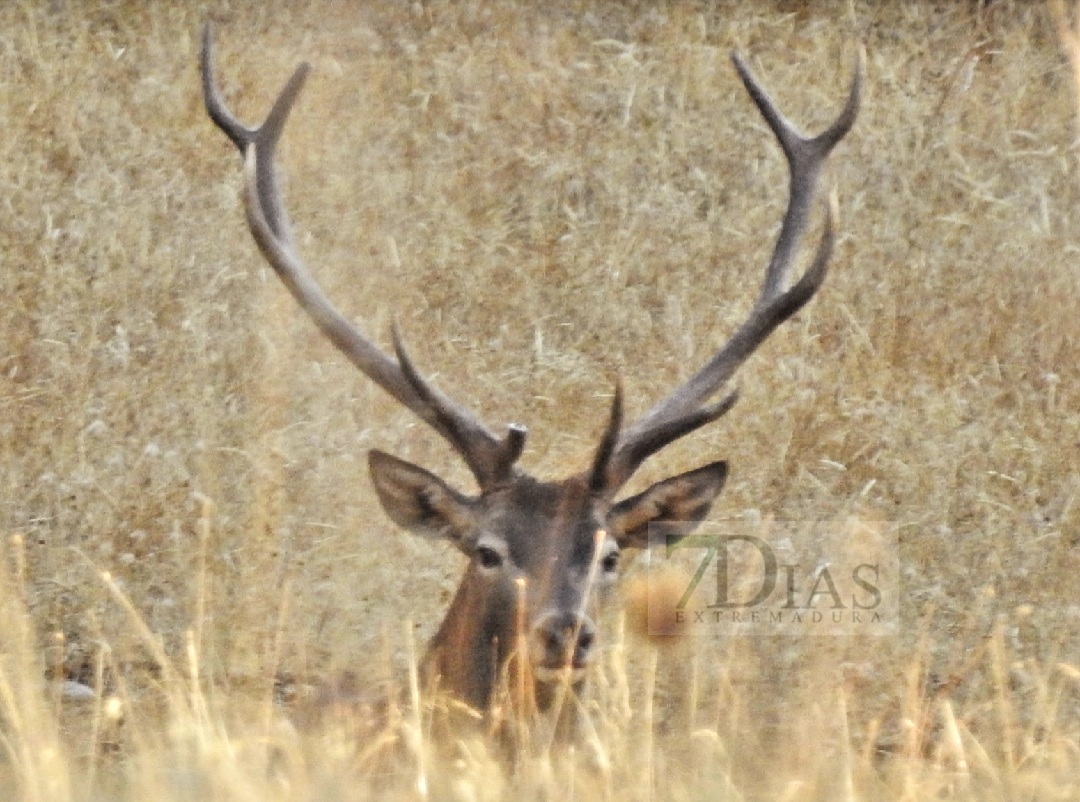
(490,458)
(686,408)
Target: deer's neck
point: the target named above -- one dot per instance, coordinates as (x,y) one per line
(464,656)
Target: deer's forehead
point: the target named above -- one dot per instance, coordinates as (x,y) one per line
(538,519)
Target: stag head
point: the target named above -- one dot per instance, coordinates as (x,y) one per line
(539,551)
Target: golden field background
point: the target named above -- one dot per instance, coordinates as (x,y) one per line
(546,196)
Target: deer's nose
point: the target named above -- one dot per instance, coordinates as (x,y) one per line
(563,639)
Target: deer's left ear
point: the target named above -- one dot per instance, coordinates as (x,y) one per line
(683,499)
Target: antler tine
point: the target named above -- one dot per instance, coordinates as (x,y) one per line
(444,415)
(489,458)
(685,410)
(805,157)
(223,118)
(598,480)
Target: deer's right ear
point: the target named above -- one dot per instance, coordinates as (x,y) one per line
(420,501)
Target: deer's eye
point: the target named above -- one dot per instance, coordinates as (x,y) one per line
(610,563)
(488,557)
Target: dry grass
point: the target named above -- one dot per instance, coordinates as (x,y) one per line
(546,195)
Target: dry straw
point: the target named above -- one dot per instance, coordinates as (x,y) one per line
(570,191)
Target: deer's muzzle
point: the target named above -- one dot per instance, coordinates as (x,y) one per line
(561,641)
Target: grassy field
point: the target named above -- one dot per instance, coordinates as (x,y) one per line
(545,196)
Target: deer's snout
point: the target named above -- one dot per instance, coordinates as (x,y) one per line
(563,640)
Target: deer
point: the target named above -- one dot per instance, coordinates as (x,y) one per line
(540,552)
